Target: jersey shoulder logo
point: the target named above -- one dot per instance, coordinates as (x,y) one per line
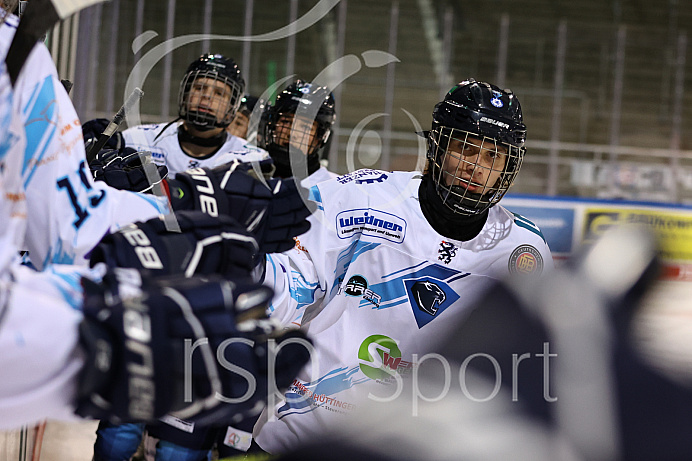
(526,260)
(364,176)
(380,178)
(447,251)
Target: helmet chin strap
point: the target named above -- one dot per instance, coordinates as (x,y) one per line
(214,141)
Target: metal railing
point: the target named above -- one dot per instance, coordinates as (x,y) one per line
(609,93)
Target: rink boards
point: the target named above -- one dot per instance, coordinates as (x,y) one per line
(569,223)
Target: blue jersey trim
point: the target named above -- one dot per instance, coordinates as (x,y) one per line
(521,221)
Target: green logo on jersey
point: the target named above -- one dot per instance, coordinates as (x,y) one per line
(380,357)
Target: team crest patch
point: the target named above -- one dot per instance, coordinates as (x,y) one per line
(525,259)
(446,252)
(429,297)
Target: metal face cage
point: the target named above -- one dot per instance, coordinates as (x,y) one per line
(472,172)
(208,99)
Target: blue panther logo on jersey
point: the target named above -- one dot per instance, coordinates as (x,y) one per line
(429,297)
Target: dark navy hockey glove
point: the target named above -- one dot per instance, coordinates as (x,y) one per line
(185,243)
(273,210)
(92,129)
(198,348)
(127,169)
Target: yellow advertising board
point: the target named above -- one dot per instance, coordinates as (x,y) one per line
(674,229)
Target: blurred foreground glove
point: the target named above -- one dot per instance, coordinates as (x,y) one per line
(92,129)
(199,348)
(204,245)
(273,211)
(127,169)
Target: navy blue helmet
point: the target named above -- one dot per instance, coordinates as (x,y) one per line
(210,92)
(278,134)
(475,146)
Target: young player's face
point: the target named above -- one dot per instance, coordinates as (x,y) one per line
(301,136)
(210,96)
(474,164)
(238,126)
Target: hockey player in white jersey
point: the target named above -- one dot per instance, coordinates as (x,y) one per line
(36,323)
(394,259)
(210,95)
(105,347)
(69,211)
(57,360)
(295,131)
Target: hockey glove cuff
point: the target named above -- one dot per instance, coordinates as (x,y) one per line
(186,243)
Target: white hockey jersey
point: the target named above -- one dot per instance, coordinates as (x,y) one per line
(322,174)
(39,317)
(40,357)
(69,212)
(13,201)
(373,284)
(165,148)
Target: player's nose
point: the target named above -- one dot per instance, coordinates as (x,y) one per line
(207,92)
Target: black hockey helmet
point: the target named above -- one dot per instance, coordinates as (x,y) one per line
(213,67)
(481,116)
(305,100)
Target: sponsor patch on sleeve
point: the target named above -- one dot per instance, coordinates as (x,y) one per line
(525,259)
